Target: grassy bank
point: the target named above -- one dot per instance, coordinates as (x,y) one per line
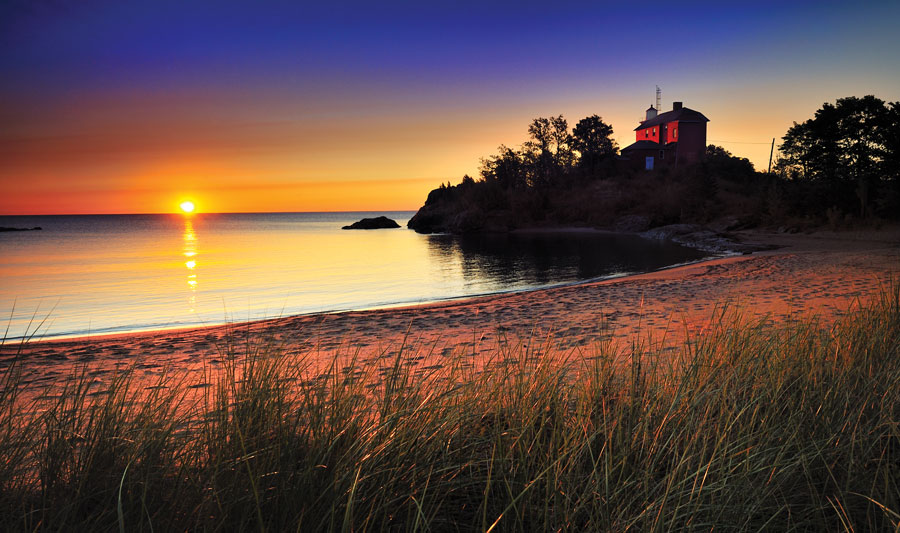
(749,427)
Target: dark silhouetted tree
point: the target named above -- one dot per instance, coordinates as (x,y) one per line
(506,169)
(889,195)
(890,140)
(720,163)
(592,139)
(850,147)
(548,154)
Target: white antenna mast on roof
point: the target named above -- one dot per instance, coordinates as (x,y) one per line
(658,98)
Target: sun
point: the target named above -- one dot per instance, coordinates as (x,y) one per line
(187,207)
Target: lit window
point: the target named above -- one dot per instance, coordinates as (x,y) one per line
(654,131)
(646,133)
(675,133)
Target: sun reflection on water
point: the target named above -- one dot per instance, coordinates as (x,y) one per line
(189,250)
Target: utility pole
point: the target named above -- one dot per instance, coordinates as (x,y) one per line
(771,151)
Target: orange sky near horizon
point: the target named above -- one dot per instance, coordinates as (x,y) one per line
(360,195)
(101,158)
(150,166)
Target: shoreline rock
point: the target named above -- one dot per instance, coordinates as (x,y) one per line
(702,238)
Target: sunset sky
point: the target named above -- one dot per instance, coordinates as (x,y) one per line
(125,107)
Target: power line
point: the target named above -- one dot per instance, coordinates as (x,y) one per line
(736,142)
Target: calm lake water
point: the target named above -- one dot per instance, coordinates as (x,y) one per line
(113,273)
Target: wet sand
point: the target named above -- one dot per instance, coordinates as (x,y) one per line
(821,274)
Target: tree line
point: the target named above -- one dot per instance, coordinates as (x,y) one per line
(847,156)
(551,154)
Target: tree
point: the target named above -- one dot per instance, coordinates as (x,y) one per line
(890,140)
(720,163)
(848,146)
(810,149)
(506,169)
(889,195)
(549,152)
(592,139)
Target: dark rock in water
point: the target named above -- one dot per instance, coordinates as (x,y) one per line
(443,220)
(427,221)
(445,213)
(381,222)
(4,228)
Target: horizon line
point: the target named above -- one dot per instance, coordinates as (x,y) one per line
(207,213)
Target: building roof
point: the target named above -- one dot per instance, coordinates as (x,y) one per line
(649,145)
(681,115)
(642,145)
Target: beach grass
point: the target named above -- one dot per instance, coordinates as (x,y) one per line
(748,426)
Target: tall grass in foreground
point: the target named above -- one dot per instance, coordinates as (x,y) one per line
(753,427)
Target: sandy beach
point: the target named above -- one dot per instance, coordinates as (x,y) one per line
(821,274)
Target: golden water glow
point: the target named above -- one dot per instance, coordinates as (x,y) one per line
(189,250)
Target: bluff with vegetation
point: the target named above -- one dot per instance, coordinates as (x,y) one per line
(837,168)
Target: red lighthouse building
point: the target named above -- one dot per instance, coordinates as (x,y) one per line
(676,137)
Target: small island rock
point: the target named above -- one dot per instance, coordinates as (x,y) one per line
(36,228)
(373,223)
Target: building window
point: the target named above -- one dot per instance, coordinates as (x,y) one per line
(646,133)
(675,134)
(662,154)
(654,131)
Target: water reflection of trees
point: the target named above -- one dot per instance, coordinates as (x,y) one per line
(547,257)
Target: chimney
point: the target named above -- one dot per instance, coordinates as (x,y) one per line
(676,106)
